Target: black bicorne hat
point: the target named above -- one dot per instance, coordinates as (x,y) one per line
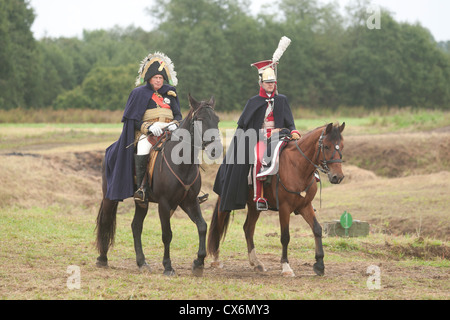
(154,64)
(154,69)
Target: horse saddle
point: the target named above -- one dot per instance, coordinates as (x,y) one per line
(157,146)
(271,158)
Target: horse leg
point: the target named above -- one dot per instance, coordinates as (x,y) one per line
(285,216)
(136,226)
(249,230)
(195,214)
(310,217)
(164,217)
(106,229)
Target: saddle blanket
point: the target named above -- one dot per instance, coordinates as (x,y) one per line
(270,161)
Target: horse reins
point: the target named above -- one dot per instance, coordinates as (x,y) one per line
(194,122)
(185,186)
(193,126)
(323,168)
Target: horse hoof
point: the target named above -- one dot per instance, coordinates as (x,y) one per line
(101,263)
(288,274)
(169,273)
(319,269)
(145,268)
(197,268)
(287,271)
(197,271)
(260,268)
(217,265)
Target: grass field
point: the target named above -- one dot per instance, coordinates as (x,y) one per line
(50,193)
(42,243)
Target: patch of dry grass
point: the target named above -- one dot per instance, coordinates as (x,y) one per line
(416,205)
(36,181)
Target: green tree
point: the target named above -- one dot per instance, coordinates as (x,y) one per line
(104,88)
(333,59)
(397,65)
(200,38)
(18,56)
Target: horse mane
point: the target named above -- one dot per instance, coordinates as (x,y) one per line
(335,133)
(315,131)
(188,116)
(191,112)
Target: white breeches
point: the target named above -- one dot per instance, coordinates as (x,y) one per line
(143,146)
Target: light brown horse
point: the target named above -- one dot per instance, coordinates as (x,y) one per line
(292,190)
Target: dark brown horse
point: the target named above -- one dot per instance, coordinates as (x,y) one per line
(174,184)
(292,190)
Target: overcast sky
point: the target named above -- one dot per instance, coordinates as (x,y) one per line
(68,18)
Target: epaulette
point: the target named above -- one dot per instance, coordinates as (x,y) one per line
(172,93)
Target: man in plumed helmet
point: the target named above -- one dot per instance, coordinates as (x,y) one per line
(151,108)
(267,113)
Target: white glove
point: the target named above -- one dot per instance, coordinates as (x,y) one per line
(172,127)
(155,130)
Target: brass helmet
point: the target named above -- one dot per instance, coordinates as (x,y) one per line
(268,75)
(266,70)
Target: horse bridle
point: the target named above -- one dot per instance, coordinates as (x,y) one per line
(324,163)
(337,149)
(194,125)
(187,187)
(322,168)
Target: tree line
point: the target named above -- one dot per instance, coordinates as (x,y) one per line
(334,59)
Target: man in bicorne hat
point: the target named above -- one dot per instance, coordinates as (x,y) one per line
(268,112)
(152,107)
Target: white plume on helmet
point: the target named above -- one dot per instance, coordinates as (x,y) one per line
(267,69)
(282,46)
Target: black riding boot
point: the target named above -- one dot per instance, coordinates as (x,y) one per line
(141,163)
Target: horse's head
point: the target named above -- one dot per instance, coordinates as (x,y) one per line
(205,122)
(331,145)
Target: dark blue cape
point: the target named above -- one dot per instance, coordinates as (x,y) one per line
(231,182)
(119,160)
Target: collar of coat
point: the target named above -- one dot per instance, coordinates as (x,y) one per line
(263,93)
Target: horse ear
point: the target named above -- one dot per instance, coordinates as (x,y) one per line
(212,102)
(342,127)
(192,102)
(329,128)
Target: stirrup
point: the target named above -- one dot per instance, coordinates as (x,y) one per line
(139,195)
(203,198)
(262,205)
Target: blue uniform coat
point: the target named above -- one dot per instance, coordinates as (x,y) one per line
(119,160)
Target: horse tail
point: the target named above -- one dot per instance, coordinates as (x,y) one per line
(106,225)
(106,220)
(217,229)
